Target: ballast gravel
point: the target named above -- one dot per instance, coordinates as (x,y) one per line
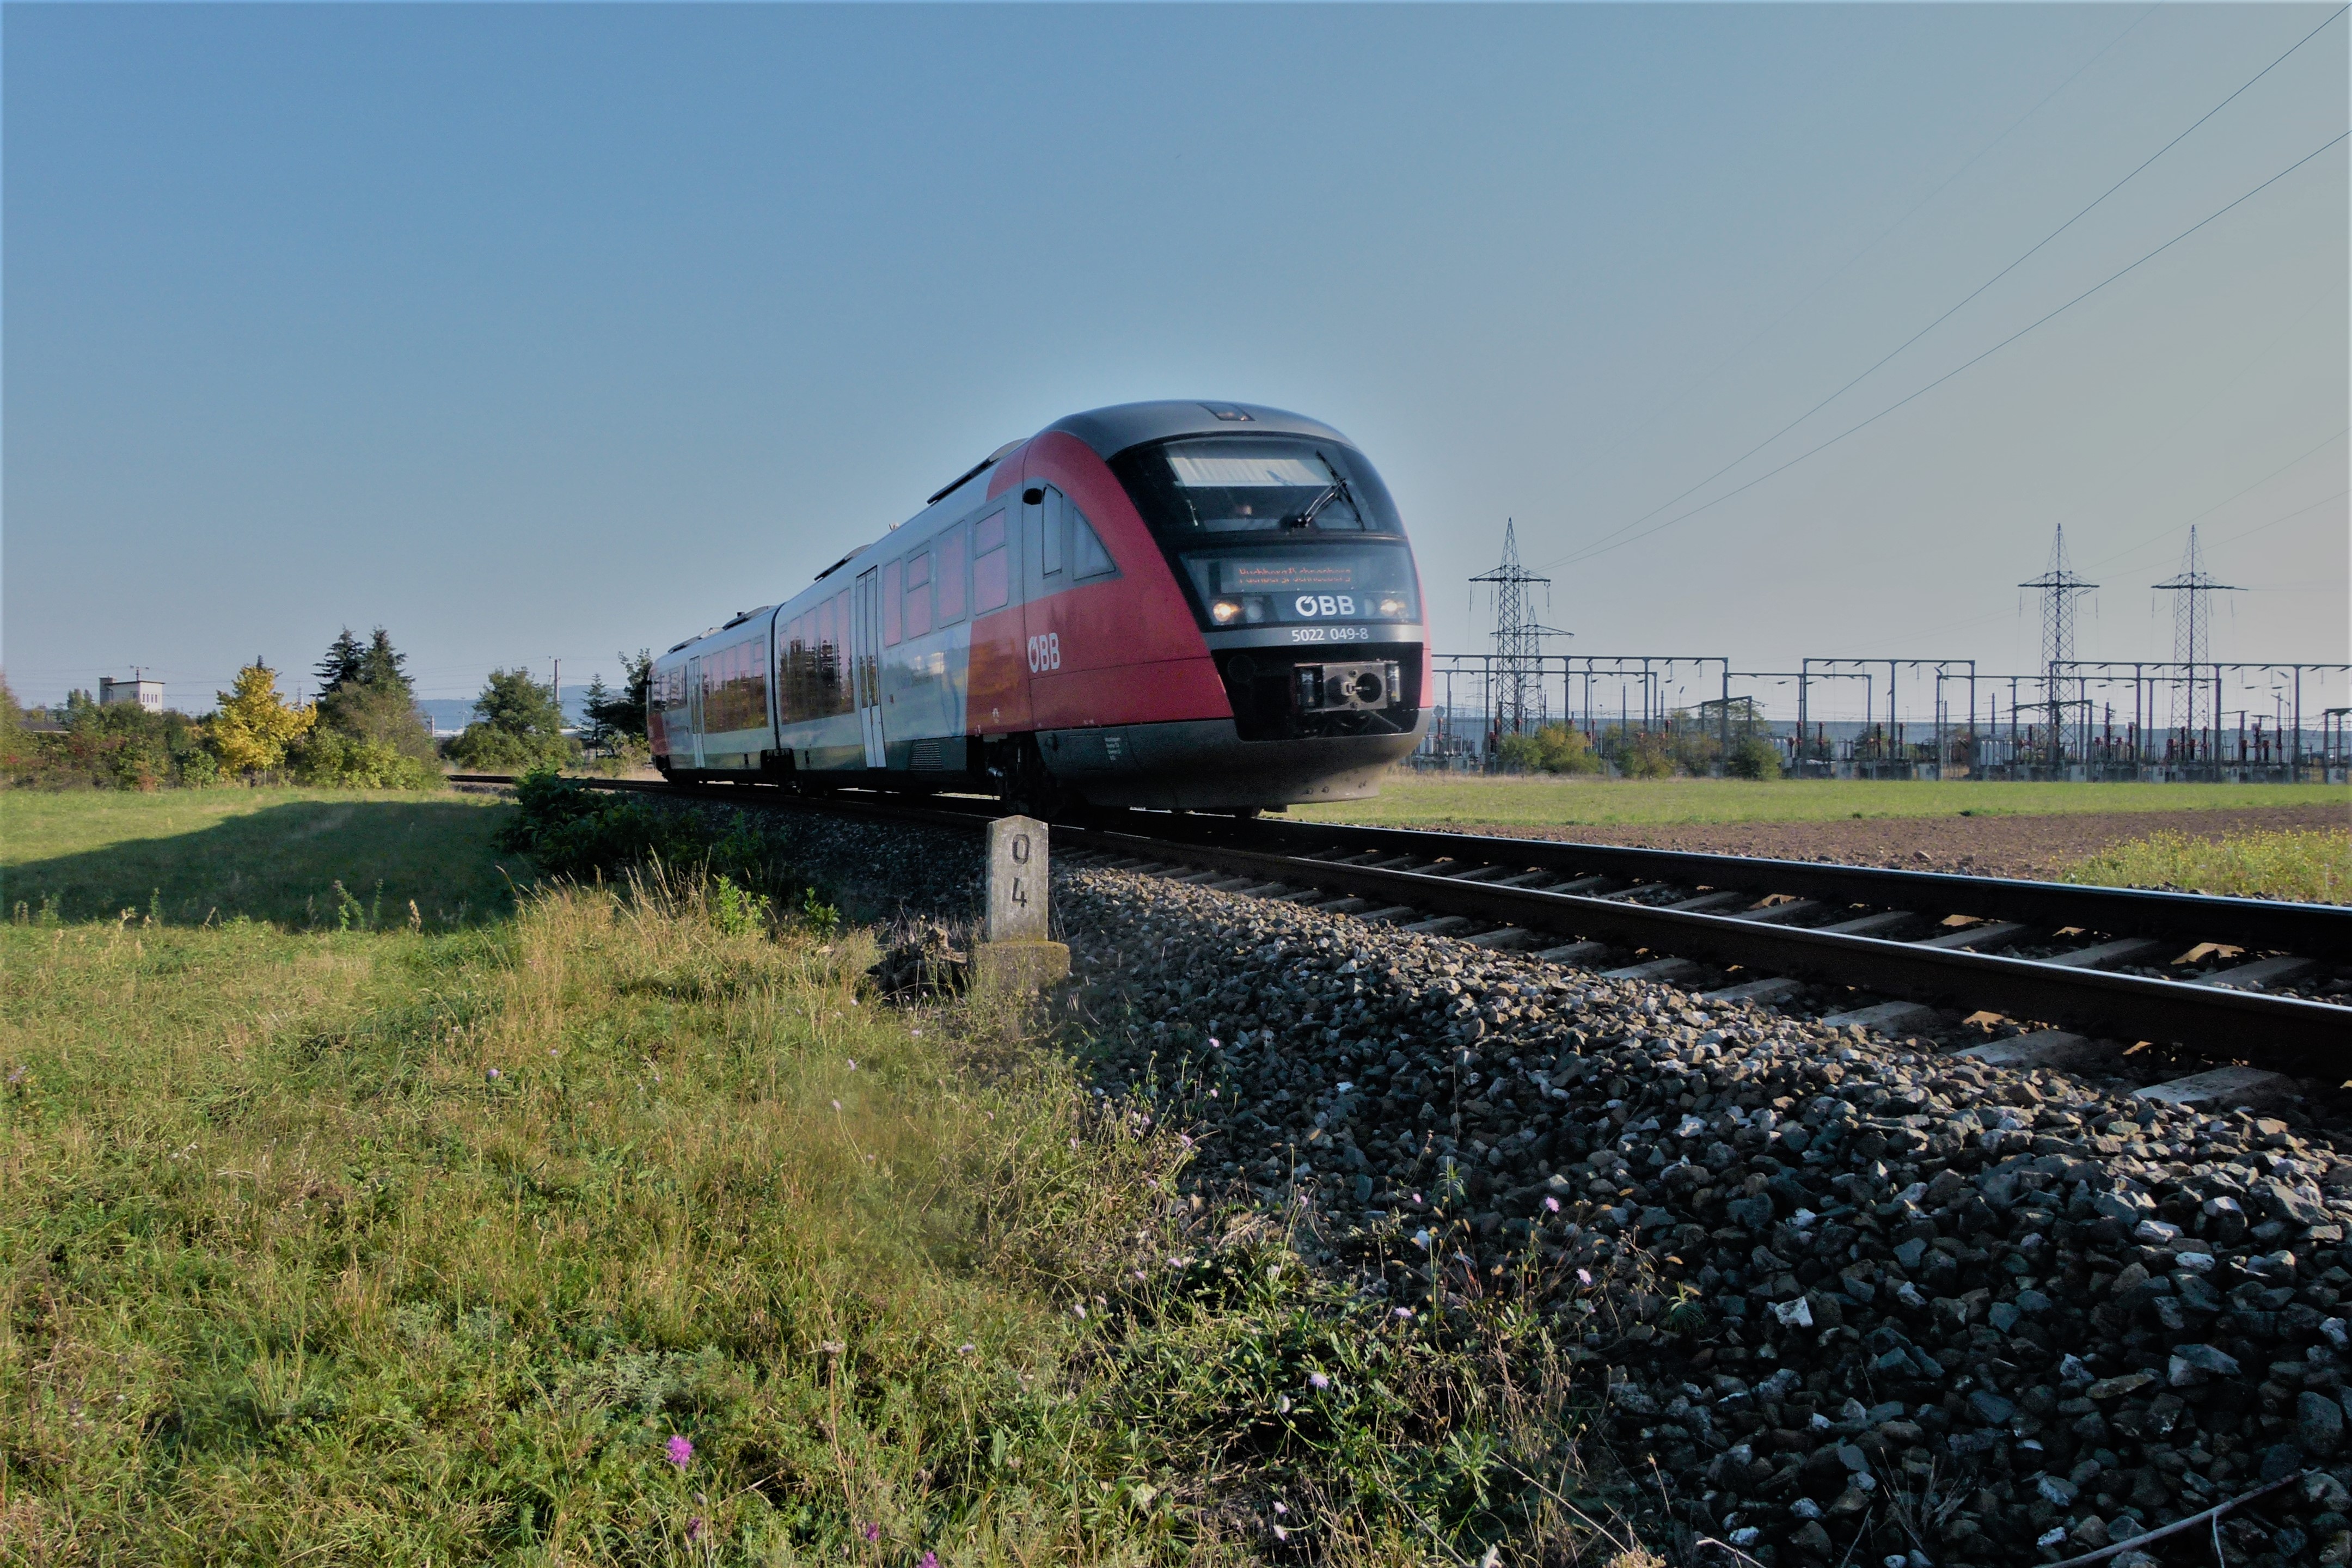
(1858,1300)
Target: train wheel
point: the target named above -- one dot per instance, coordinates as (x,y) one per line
(1028,786)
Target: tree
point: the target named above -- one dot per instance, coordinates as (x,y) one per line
(255,725)
(621,714)
(342,664)
(519,725)
(597,732)
(382,669)
(375,702)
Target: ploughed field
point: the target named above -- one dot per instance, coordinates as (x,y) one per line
(1986,829)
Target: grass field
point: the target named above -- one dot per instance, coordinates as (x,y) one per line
(602,1232)
(1409,800)
(265,854)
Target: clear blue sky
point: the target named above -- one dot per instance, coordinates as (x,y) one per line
(543,330)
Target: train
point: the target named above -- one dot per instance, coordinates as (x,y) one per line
(1180,606)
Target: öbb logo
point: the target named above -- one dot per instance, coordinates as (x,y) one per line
(1312,605)
(1045,652)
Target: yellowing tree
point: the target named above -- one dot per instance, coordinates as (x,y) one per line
(255,724)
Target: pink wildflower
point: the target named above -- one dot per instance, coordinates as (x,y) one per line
(678,1451)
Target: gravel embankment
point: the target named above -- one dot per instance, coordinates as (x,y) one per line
(1860,1301)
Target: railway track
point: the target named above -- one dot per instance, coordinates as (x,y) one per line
(2201,975)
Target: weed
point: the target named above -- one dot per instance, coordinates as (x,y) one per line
(821,918)
(2314,866)
(735,912)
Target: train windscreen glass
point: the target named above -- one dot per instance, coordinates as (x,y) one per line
(1275,586)
(1242,484)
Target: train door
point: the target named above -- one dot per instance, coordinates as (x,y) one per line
(866,661)
(694,707)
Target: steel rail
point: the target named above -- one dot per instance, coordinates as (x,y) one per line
(2308,931)
(2279,1033)
(2286,1033)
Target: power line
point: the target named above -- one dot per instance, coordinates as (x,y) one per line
(1600,548)
(1847,265)
(2225,501)
(1582,551)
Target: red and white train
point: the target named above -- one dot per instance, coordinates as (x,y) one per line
(1195,606)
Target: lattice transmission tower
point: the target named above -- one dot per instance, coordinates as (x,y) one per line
(2060,586)
(1517,695)
(2192,589)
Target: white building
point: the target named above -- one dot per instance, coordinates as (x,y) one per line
(148,694)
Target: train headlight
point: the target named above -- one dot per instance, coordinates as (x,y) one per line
(1392,606)
(1225,612)
(1254,608)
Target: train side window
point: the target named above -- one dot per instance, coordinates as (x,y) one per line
(1057,527)
(919,594)
(890,622)
(1088,556)
(844,695)
(991,564)
(949,584)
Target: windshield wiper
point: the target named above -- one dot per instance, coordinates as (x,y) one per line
(1338,490)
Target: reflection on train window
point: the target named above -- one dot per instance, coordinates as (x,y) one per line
(919,594)
(1088,556)
(950,585)
(734,688)
(1056,511)
(890,622)
(992,574)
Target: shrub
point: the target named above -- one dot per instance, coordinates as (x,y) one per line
(333,759)
(120,746)
(485,748)
(581,835)
(1753,757)
(1553,749)
(1639,754)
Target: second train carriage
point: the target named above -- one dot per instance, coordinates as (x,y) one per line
(1208,607)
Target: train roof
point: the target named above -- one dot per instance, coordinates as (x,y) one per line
(1113,430)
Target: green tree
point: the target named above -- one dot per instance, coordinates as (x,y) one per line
(596,733)
(384,668)
(517,725)
(621,715)
(342,665)
(373,701)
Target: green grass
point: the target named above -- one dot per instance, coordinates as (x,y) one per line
(401,1245)
(2310,867)
(267,854)
(1407,800)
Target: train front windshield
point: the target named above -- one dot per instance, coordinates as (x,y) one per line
(1255,484)
(1274,529)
